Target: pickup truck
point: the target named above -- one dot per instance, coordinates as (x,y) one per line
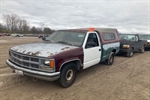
(63,53)
(129,43)
(147,38)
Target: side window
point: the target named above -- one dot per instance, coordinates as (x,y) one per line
(92,41)
(132,37)
(108,36)
(116,35)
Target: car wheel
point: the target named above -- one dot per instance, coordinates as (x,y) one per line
(68,75)
(130,53)
(142,49)
(110,60)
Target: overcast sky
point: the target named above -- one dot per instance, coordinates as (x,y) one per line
(125,15)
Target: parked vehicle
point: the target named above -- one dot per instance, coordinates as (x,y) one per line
(4,34)
(17,35)
(41,36)
(129,43)
(65,52)
(147,38)
(1,34)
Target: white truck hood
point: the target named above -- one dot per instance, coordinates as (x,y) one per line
(42,49)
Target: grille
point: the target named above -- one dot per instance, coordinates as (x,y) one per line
(24,60)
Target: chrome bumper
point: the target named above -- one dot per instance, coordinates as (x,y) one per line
(37,74)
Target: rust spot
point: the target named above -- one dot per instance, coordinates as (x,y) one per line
(24,51)
(50,54)
(28,53)
(65,48)
(36,53)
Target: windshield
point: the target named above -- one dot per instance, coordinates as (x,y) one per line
(67,37)
(127,37)
(145,36)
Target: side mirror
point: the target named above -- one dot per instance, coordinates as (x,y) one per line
(43,38)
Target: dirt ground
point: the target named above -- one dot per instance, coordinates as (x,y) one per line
(126,79)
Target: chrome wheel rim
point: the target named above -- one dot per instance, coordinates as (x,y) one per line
(111,59)
(69,75)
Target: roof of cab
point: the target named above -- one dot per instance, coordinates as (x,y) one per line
(84,30)
(129,34)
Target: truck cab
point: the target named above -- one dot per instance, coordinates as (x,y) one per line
(65,52)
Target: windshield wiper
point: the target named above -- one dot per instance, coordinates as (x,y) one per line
(64,42)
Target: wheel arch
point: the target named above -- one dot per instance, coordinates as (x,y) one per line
(77,62)
(132,48)
(114,50)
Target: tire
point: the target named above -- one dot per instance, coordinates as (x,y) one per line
(142,50)
(68,75)
(130,53)
(110,60)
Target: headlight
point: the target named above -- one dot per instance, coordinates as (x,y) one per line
(126,46)
(48,64)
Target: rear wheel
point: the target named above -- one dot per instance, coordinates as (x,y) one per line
(68,75)
(110,60)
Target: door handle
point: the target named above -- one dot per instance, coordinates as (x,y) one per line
(99,49)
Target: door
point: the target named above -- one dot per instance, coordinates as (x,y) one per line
(92,50)
(137,44)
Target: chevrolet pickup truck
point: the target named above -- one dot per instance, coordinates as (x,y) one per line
(129,43)
(63,53)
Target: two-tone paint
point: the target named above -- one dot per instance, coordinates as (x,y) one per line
(62,54)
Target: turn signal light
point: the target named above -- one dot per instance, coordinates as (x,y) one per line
(52,63)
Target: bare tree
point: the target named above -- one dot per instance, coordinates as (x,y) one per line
(20,25)
(15,24)
(11,21)
(7,21)
(42,25)
(25,27)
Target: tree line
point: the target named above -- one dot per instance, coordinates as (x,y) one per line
(15,24)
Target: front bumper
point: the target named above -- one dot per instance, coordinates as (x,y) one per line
(37,74)
(124,50)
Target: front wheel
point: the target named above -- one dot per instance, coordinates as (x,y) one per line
(68,75)
(130,53)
